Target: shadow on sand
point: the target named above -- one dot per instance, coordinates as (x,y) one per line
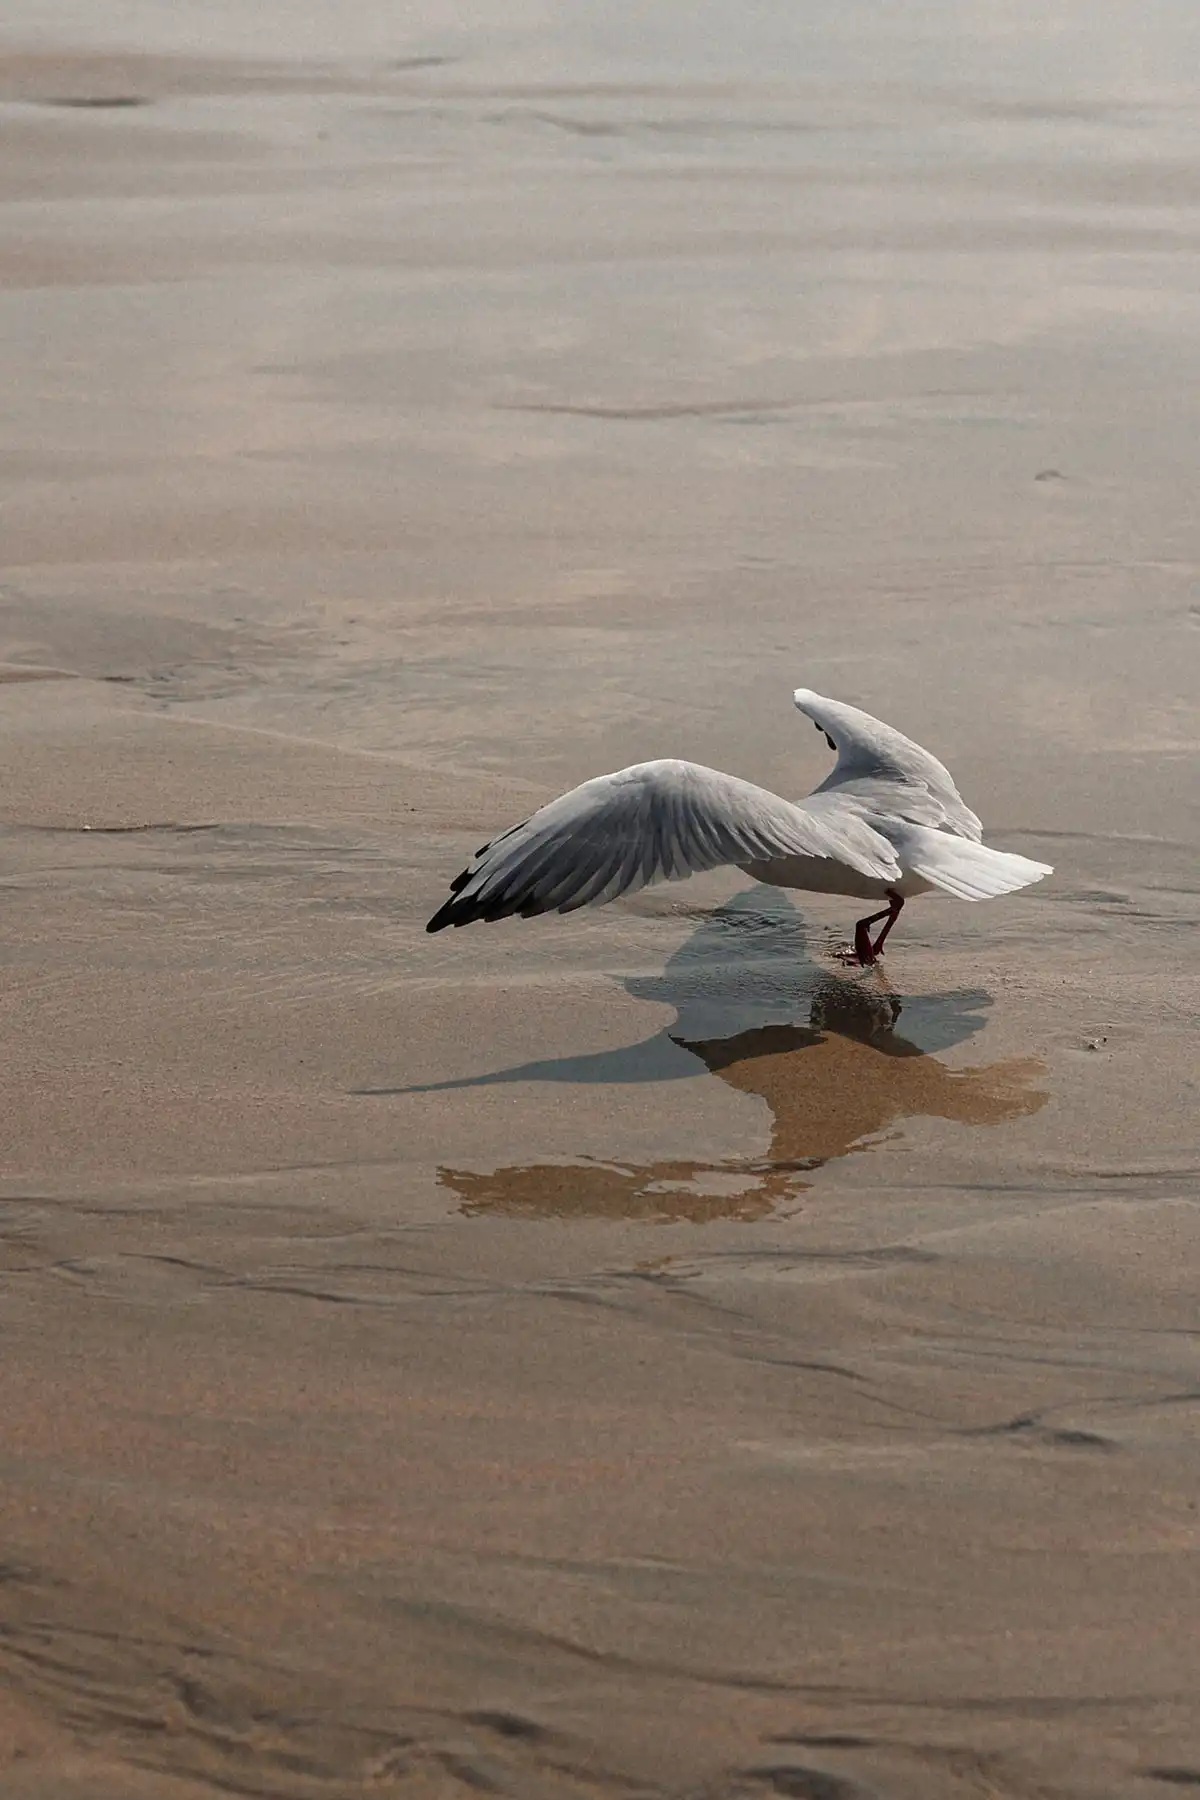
(832,1085)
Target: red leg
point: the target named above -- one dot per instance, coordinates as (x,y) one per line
(895,908)
(864,949)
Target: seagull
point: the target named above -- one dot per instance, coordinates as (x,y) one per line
(886,824)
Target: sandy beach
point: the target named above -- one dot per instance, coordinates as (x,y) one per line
(626,1355)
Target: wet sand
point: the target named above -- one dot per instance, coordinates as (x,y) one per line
(627,1354)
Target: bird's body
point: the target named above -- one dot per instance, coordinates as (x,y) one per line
(823,875)
(886,824)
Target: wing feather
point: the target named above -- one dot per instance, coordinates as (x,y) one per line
(651,822)
(886,770)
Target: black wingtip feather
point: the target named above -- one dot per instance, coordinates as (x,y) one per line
(450,913)
(458,912)
(469,912)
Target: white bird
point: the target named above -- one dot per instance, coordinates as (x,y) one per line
(888,823)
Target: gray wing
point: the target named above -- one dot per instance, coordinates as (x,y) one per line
(884,771)
(655,821)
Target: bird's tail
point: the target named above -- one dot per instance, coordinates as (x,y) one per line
(961,867)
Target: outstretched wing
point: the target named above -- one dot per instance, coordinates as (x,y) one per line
(887,767)
(654,821)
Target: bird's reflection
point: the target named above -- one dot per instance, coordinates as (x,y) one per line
(832,1085)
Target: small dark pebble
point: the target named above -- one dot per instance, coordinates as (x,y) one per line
(797,1782)
(99,102)
(824,1740)
(506,1724)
